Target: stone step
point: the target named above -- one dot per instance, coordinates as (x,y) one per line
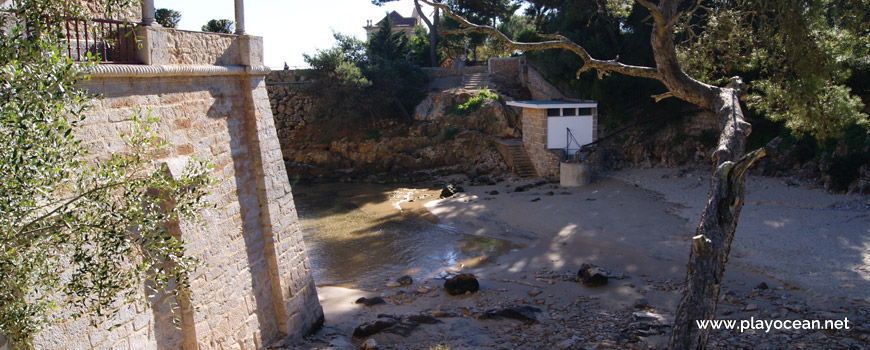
(475,80)
(522,164)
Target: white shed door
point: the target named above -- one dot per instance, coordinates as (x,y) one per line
(557,132)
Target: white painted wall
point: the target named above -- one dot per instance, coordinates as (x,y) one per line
(557,132)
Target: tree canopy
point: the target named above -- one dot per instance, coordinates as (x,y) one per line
(219,26)
(167,17)
(373,79)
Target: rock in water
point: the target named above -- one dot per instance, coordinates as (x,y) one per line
(461,283)
(524,313)
(370,301)
(374,327)
(420,318)
(405,280)
(591,275)
(762,285)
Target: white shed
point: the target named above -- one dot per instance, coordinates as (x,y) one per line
(566,125)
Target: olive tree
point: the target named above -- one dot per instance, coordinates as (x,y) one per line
(798,53)
(78,231)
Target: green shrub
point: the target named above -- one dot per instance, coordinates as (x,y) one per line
(473,103)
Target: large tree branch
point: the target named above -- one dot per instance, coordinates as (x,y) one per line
(654,11)
(555,42)
(425,19)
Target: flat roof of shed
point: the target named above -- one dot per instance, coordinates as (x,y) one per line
(545,104)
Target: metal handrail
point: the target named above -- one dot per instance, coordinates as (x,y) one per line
(581,148)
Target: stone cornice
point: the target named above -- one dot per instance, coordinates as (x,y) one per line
(148,71)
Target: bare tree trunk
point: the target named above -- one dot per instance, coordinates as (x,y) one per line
(433,33)
(712,241)
(433,39)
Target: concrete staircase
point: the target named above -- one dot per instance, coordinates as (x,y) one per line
(474,81)
(516,157)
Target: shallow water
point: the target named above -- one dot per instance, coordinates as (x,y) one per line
(365,235)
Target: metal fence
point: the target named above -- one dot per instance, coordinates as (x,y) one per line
(111,41)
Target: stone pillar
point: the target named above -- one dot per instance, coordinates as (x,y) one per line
(147,12)
(240,17)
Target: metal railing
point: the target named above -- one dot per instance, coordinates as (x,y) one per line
(111,41)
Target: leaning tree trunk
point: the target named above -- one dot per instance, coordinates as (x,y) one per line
(712,241)
(433,33)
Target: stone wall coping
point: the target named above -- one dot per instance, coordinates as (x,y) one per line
(149,71)
(547,104)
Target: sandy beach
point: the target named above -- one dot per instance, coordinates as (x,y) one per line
(799,253)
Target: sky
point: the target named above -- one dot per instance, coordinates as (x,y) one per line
(290,27)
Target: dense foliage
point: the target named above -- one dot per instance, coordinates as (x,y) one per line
(167,17)
(77,231)
(225,26)
(796,59)
(374,80)
(803,66)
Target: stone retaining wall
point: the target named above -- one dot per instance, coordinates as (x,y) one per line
(290,106)
(256,286)
(287,76)
(507,65)
(539,87)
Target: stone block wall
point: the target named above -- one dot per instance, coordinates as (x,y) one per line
(507,65)
(540,88)
(546,163)
(255,287)
(289,106)
(287,76)
(181,47)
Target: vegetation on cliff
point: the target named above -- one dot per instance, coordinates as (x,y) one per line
(371,80)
